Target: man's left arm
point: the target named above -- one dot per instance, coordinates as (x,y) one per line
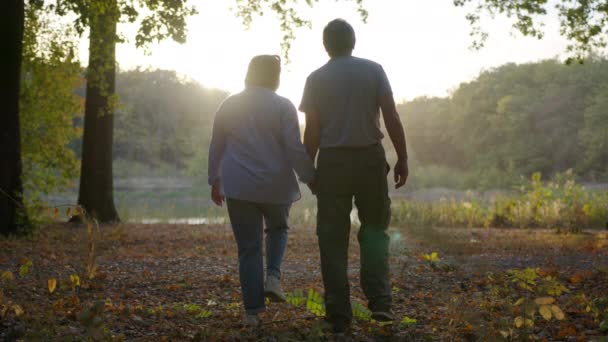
(393,125)
(312,140)
(312,134)
(312,130)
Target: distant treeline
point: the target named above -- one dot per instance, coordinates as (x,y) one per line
(512,121)
(163,120)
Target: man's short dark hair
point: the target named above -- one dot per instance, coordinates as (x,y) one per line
(264,71)
(339,38)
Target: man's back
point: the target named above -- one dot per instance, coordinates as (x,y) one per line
(346,92)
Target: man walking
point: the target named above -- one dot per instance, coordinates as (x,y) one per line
(341,101)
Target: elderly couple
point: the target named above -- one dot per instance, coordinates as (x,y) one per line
(256,147)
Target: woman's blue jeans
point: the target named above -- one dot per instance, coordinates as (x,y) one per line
(247,220)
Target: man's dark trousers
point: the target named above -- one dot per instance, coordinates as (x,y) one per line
(345,173)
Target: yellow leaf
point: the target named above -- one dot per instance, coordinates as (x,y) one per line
(7,275)
(520,301)
(18,310)
(519,321)
(432,257)
(544,300)
(75,279)
(557,312)
(52,284)
(545,311)
(529,323)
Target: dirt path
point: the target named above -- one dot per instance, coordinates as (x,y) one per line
(174,282)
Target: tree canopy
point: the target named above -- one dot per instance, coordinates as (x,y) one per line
(583,22)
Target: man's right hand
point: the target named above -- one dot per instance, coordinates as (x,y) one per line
(401,173)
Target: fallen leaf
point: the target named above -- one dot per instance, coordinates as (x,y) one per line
(7,275)
(544,300)
(173,287)
(52,284)
(75,279)
(18,310)
(545,311)
(566,330)
(557,312)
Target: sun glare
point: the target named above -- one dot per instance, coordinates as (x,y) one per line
(422,46)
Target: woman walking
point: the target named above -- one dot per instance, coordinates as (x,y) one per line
(255,148)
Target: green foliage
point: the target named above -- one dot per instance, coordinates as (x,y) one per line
(194,310)
(361,312)
(407,322)
(582,22)
(544,288)
(25,267)
(432,258)
(560,203)
(49,107)
(594,134)
(296,298)
(525,279)
(516,303)
(156,19)
(315,303)
(512,121)
(163,120)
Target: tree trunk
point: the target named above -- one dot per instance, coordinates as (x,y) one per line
(96,193)
(12,217)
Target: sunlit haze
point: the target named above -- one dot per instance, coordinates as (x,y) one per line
(423,46)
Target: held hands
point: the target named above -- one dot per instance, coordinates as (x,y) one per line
(314,187)
(216,194)
(401,173)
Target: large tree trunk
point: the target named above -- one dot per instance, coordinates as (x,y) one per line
(12,218)
(96,193)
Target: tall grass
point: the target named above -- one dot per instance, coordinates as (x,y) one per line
(560,203)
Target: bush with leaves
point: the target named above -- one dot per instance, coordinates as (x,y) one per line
(49,107)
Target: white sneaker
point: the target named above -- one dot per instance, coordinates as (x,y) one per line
(273,290)
(251,320)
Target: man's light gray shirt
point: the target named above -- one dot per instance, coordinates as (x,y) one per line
(255,148)
(346,93)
